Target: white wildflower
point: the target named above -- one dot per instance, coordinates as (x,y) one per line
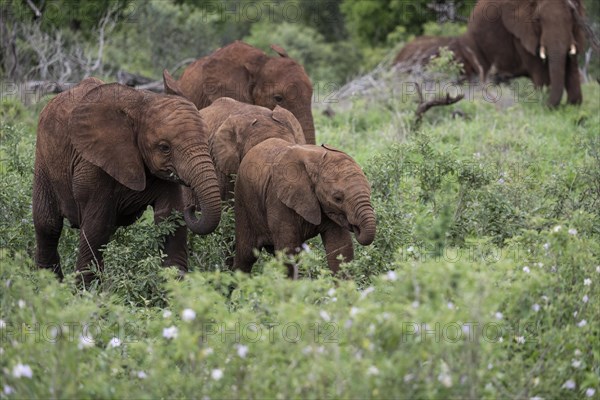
(415,304)
(331,292)
(207,351)
(490,366)
(577,352)
(325,315)
(585,298)
(22,371)
(546,246)
(2,324)
(85,341)
(445,379)
(21,303)
(354,311)
(498,315)
(598,269)
(573,231)
(242,350)
(536,398)
(372,370)
(536,307)
(141,375)
(170,332)
(589,392)
(366,292)
(408,377)
(450,305)
(557,228)
(8,390)
(582,323)
(167,314)
(188,315)
(520,339)
(575,313)
(587,282)
(216,374)
(526,270)
(545,298)
(391,276)
(410,249)
(570,385)
(501,181)
(576,363)
(114,342)
(306,247)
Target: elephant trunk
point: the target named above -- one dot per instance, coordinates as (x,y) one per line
(203,183)
(308,126)
(365,225)
(557,61)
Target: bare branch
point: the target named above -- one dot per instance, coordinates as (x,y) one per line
(426,105)
(35,10)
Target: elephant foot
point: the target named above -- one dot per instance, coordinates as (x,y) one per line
(84,279)
(56,269)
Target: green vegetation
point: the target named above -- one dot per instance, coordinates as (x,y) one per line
(483,280)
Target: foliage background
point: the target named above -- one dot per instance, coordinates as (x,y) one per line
(483,280)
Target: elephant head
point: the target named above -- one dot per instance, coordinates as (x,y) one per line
(281,81)
(318,180)
(239,133)
(135,136)
(247,74)
(549,29)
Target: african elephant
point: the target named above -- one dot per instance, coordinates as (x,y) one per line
(287,193)
(104,153)
(247,74)
(235,127)
(539,39)
(420,50)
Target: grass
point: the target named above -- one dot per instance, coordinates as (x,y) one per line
(483,280)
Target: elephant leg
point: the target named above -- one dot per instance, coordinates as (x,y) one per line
(573,83)
(337,241)
(48,225)
(244,257)
(289,242)
(176,243)
(95,231)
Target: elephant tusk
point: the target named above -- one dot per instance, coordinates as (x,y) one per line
(543,53)
(573,50)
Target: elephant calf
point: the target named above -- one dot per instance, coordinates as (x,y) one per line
(287,193)
(104,153)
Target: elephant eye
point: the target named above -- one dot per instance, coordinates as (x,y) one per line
(164,147)
(278,98)
(338,198)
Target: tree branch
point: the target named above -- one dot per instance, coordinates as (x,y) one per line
(426,105)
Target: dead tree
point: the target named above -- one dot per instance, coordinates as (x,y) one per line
(426,105)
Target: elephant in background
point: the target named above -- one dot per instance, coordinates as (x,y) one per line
(420,50)
(247,74)
(539,39)
(235,127)
(104,153)
(288,193)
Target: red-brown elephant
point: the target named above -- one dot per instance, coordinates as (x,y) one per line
(540,39)
(247,74)
(105,152)
(420,50)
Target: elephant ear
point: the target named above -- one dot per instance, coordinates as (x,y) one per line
(279,50)
(286,118)
(102,131)
(171,85)
(519,18)
(225,144)
(294,186)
